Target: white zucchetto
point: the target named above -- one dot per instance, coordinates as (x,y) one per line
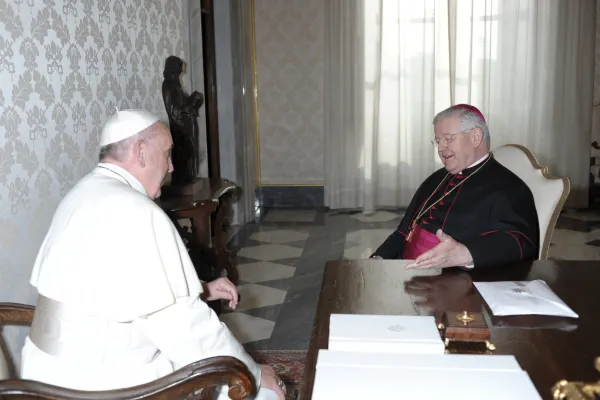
(124,124)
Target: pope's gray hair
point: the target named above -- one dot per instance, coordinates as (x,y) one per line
(119,151)
(468,120)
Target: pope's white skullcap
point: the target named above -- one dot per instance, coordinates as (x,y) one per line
(124,124)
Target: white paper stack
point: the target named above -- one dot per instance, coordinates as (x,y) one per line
(392,356)
(359,375)
(523,298)
(465,362)
(385,334)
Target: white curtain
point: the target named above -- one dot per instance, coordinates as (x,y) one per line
(391,65)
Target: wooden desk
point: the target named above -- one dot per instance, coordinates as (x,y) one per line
(206,204)
(548,348)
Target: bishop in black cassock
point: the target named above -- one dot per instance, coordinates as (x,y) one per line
(474,213)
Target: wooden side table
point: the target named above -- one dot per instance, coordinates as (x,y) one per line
(206,203)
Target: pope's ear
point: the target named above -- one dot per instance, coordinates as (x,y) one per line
(140,152)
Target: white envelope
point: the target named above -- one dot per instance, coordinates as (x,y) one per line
(523,298)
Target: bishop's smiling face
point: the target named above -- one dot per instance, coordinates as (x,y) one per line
(456,147)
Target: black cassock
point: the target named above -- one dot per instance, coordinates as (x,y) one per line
(492,213)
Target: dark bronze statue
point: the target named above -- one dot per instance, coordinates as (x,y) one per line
(182,110)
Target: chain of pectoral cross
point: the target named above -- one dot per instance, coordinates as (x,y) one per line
(421,213)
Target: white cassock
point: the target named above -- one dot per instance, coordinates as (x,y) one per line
(119,298)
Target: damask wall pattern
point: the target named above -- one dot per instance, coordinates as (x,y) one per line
(290,40)
(64,67)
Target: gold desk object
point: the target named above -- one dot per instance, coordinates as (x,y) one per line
(465,330)
(565,390)
(465,318)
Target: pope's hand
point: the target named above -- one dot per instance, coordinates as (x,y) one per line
(222,289)
(270,380)
(448,253)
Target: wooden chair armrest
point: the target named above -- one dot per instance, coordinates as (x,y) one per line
(16,314)
(204,374)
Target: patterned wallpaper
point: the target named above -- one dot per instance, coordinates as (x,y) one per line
(289,67)
(64,66)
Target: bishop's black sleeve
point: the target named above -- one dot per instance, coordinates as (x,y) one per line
(394,245)
(513,233)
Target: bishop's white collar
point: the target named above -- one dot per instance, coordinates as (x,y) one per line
(121,174)
(482,159)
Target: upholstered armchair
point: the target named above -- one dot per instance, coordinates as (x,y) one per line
(195,381)
(549,192)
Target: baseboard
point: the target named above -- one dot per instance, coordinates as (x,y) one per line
(291,196)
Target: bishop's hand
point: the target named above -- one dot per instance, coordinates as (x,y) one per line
(448,253)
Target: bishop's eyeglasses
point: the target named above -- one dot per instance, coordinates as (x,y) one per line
(447,137)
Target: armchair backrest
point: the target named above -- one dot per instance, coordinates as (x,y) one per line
(549,192)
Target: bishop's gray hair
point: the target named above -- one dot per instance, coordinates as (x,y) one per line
(468,120)
(118,151)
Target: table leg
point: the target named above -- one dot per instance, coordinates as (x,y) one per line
(220,225)
(200,246)
(201,227)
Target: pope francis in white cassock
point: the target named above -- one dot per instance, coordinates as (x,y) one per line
(119,300)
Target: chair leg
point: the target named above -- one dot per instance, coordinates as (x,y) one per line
(4,350)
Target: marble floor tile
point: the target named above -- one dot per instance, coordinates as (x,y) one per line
(185,223)
(294,326)
(269,313)
(573,245)
(588,215)
(270,252)
(373,237)
(248,328)
(255,296)
(292,262)
(279,236)
(579,225)
(378,216)
(574,252)
(299,244)
(283,284)
(359,252)
(232,231)
(569,237)
(362,243)
(276,215)
(264,271)
(258,345)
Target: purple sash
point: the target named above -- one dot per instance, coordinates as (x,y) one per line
(420,241)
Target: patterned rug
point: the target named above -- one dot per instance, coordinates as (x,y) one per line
(288,364)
